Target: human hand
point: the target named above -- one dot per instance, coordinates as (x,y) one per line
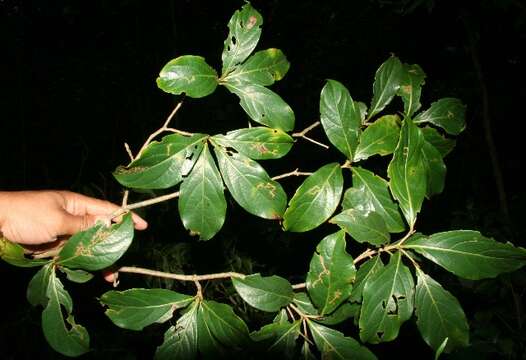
(40,217)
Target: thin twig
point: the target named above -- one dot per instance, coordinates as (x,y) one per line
(292,173)
(144,203)
(180,277)
(302,134)
(128,150)
(315,142)
(125,199)
(299,286)
(180,132)
(291,314)
(199,288)
(366,254)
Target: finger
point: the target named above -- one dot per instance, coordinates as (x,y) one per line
(71,224)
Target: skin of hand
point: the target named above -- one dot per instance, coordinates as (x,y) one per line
(40,217)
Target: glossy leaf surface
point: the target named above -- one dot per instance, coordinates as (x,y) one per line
(381,137)
(13,254)
(386,84)
(279,338)
(448,113)
(266,293)
(262,68)
(77,276)
(224,324)
(412,79)
(363,226)
(441,143)
(37,288)
(368,268)
(435,169)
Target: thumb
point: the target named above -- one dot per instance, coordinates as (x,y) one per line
(74,223)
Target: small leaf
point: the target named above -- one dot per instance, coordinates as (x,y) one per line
(262,68)
(281,317)
(136,308)
(371,193)
(258,143)
(331,273)
(342,313)
(468,254)
(225,325)
(380,138)
(315,200)
(448,113)
(368,268)
(279,338)
(435,169)
(441,143)
(77,276)
(412,79)
(386,84)
(163,164)
(439,315)
(180,341)
(188,74)
(363,226)
(269,293)
(334,345)
(251,186)
(37,288)
(387,302)
(244,32)
(13,254)
(407,172)
(302,301)
(441,349)
(98,247)
(71,339)
(340,117)
(264,106)
(202,204)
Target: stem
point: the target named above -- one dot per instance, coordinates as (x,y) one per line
(366,254)
(303,133)
(299,286)
(144,203)
(128,151)
(199,288)
(180,277)
(292,173)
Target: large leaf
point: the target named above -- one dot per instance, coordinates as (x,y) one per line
(225,325)
(188,74)
(251,186)
(441,143)
(136,308)
(439,315)
(71,339)
(163,164)
(363,226)
(98,247)
(412,79)
(334,345)
(468,254)
(387,301)
(448,113)
(340,117)
(37,288)
(371,193)
(202,204)
(244,32)
(386,83)
(258,143)
(380,138)
(264,106)
(181,340)
(368,268)
(262,68)
(268,293)
(315,200)
(435,169)
(331,273)
(279,338)
(13,254)
(407,172)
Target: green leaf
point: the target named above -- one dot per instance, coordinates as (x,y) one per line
(264,106)
(439,315)
(468,254)
(269,293)
(71,339)
(441,349)
(362,109)
(386,84)
(302,302)
(180,341)
(225,325)
(202,204)
(315,200)
(37,288)
(412,79)
(334,345)
(407,172)
(13,254)
(340,118)
(331,273)
(342,313)
(251,186)
(281,317)
(306,353)
(368,268)
(441,143)
(387,302)
(448,113)
(262,68)
(244,32)
(435,169)
(163,164)
(77,276)
(370,192)
(188,74)
(279,338)
(363,226)
(98,247)
(380,138)
(258,143)
(136,308)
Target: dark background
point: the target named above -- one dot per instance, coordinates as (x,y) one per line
(78,80)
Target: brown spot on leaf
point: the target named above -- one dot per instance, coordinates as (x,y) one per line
(251,22)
